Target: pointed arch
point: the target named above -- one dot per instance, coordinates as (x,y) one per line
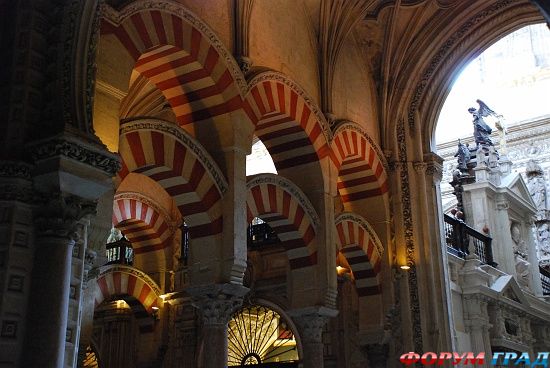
(169,155)
(287,121)
(118,281)
(360,164)
(147,226)
(181,55)
(359,244)
(287,210)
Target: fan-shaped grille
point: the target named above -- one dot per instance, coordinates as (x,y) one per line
(90,360)
(259,335)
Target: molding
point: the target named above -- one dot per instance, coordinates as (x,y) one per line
(76,149)
(110,90)
(177,9)
(289,187)
(185,138)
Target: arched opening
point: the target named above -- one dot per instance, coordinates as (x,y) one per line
(259,336)
(259,160)
(512,77)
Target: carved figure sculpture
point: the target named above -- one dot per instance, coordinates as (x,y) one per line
(463,156)
(518,242)
(481,129)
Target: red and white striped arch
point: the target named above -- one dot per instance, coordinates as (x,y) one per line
(289,213)
(360,164)
(289,125)
(119,281)
(179,53)
(362,249)
(142,222)
(169,155)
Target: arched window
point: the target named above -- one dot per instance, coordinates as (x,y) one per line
(259,336)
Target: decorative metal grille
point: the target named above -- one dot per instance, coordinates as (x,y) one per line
(259,336)
(90,360)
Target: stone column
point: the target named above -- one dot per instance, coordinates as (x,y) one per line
(216,302)
(310,322)
(55,222)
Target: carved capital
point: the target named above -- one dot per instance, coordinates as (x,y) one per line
(59,214)
(311,321)
(217,302)
(503,206)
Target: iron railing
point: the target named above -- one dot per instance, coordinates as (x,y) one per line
(458,236)
(545,281)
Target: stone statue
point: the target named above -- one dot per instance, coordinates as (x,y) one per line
(520,255)
(537,187)
(481,129)
(518,242)
(543,237)
(463,156)
(114,236)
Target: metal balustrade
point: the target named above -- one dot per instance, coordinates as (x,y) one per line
(545,281)
(458,237)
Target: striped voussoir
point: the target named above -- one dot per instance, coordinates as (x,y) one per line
(287,218)
(142,224)
(286,124)
(181,62)
(359,247)
(121,281)
(361,173)
(157,153)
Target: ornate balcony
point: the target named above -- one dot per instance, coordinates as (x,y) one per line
(458,236)
(120,252)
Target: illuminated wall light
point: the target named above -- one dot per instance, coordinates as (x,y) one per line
(405,267)
(341,270)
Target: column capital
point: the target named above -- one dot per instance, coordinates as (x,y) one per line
(217,302)
(434,166)
(59,214)
(311,321)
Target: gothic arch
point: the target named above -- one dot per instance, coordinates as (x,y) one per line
(170,156)
(287,120)
(181,55)
(359,244)
(119,280)
(147,226)
(287,210)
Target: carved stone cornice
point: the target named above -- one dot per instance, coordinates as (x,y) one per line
(186,139)
(289,187)
(179,10)
(217,302)
(78,149)
(12,169)
(59,214)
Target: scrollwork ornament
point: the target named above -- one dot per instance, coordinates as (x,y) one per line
(104,161)
(10,169)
